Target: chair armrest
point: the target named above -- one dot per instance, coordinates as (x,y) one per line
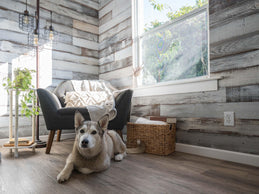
(123,107)
(48,100)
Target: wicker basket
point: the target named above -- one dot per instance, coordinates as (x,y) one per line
(158,139)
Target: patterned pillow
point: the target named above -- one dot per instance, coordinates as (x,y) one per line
(85,98)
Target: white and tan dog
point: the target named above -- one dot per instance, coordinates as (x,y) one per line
(94,147)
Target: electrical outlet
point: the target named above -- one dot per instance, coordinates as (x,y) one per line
(229,119)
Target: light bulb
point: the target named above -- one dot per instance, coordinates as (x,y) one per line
(35,39)
(25,19)
(51,35)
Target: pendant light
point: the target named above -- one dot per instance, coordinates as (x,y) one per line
(26,21)
(49,33)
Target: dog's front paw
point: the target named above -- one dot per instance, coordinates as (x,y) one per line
(118,157)
(62,177)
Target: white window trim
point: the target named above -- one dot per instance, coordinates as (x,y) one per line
(198,84)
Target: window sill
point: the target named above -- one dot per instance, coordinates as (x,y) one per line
(200,84)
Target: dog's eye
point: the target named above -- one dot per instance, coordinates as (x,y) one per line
(82,131)
(93,132)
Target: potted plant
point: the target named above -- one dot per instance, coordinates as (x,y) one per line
(22,83)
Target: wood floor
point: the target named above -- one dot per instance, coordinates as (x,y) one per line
(144,173)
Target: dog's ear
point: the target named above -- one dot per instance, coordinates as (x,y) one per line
(104,121)
(78,119)
(112,114)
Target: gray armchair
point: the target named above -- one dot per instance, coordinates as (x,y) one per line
(57,117)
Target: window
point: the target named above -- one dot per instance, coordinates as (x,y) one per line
(171,40)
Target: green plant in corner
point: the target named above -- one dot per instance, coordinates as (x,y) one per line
(22,83)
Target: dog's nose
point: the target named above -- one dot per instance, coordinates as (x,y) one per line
(85,142)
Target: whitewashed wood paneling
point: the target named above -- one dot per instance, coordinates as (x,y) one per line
(121,17)
(243,110)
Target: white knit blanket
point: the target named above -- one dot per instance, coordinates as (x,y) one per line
(99,98)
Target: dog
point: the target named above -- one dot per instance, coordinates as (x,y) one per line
(94,147)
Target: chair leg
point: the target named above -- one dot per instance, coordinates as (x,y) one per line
(59,134)
(50,140)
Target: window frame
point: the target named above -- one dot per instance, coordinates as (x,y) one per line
(206,82)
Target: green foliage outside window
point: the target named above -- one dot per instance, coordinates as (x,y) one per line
(178,51)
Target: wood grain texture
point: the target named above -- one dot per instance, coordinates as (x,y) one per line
(119,18)
(248,93)
(115,30)
(235,28)
(243,110)
(225,11)
(188,98)
(246,144)
(119,73)
(85,27)
(243,127)
(137,173)
(141,110)
(116,65)
(246,43)
(107,17)
(248,59)
(247,76)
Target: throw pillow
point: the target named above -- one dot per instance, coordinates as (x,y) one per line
(84,98)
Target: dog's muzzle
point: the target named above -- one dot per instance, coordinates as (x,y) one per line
(84,143)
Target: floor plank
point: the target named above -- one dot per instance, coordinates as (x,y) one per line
(143,173)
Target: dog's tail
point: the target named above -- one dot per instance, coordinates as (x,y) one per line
(138,150)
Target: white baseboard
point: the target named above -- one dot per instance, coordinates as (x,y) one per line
(238,157)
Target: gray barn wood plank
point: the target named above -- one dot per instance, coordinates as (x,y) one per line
(243,110)
(121,17)
(248,93)
(220,141)
(237,10)
(188,98)
(115,30)
(107,17)
(218,6)
(119,73)
(243,127)
(115,47)
(239,77)
(246,43)
(244,60)
(74,58)
(235,28)
(116,65)
(84,76)
(85,27)
(90,53)
(75,7)
(141,111)
(72,66)
(88,3)
(122,35)
(85,35)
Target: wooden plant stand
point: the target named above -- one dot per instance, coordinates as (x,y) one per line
(16,143)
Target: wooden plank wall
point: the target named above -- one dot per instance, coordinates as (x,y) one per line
(115,42)
(234,54)
(75,56)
